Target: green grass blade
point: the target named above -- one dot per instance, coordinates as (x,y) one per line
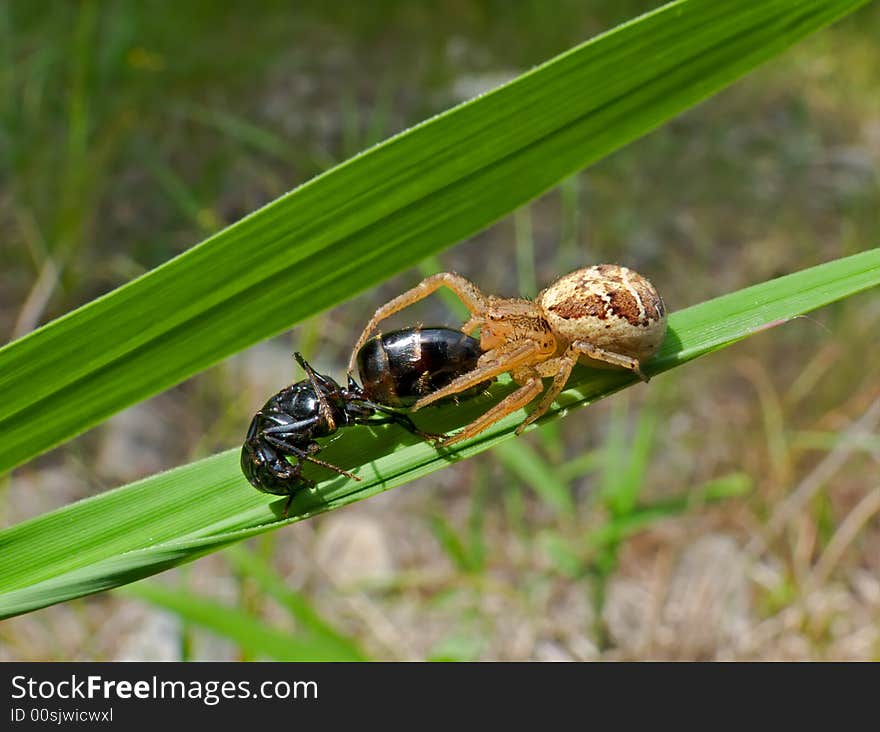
(248,631)
(639,518)
(626,461)
(381,212)
(273,585)
(177,516)
(614,457)
(523,461)
(581,465)
(453,545)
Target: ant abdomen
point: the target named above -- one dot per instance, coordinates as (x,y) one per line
(400,367)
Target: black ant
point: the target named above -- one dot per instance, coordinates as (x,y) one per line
(396,369)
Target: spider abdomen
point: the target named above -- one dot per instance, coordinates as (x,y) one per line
(608,306)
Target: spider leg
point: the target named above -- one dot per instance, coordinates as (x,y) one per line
(518,399)
(474,322)
(323,407)
(560,369)
(615,359)
(467,292)
(506,358)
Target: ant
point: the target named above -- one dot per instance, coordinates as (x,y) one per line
(396,369)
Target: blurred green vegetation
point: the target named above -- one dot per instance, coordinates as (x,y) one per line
(130,130)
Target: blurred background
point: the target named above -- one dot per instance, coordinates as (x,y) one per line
(730,509)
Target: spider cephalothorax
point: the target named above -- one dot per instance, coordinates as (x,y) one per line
(602,315)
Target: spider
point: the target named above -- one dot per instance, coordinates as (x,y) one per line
(605,315)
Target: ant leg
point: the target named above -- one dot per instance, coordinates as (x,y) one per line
(392,417)
(274,461)
(319,394)
(518,399)
(467,292)
(286,428)
(615,359)
(308,455)
(506,358)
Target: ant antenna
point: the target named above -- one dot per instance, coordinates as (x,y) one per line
(319,394)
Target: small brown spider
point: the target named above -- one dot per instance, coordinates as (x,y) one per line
(601,315)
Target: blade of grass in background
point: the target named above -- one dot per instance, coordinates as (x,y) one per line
(620,527)
(381,212)
(524,462)
(148,526)
(273,585)
(248,631)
